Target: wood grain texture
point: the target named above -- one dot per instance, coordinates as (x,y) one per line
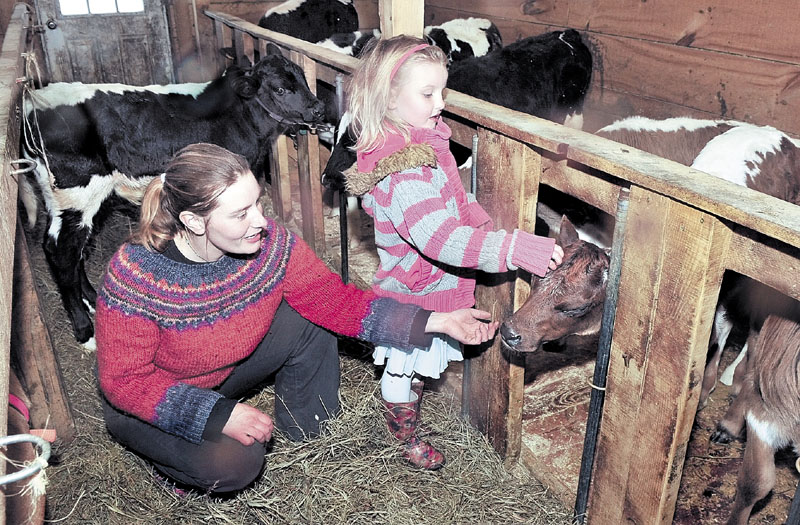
(671,269)
(659,59)
(33,352)
(503,166)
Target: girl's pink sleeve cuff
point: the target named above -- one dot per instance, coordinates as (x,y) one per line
(530,252)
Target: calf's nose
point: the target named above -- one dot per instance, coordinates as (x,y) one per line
(318,113)
(509,335)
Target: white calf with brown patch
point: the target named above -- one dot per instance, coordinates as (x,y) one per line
(758,157)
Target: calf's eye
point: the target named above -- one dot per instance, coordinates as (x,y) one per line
(280,91)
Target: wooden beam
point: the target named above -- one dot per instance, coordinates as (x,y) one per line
(401,17)
(11,68)
(308,169)
(506,167)
(672,268)
(33,353)
(751,253)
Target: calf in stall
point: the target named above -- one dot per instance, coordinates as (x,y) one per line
(463,38)
(107,141)
(460,38)
(769,404)
(311,20)
(545,76)
(759,157)
(351,43)
(567,301)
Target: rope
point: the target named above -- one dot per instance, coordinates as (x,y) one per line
(589,382)
(32,78)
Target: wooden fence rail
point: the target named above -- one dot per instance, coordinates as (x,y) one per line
(684,229)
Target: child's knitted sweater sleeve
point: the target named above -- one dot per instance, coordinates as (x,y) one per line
(320,296)
(419,212)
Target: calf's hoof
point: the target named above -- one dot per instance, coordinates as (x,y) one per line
(722,436)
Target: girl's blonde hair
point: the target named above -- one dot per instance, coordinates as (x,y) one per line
(372,86)
(193,180)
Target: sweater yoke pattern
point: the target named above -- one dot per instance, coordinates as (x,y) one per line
(194,295)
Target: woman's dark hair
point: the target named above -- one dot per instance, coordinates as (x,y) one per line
(193,180)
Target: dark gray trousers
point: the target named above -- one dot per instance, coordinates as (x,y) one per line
(304,361)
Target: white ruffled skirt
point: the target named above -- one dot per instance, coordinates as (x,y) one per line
(427,362)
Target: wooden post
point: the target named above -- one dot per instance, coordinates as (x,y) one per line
(279,179)
(401,17)
(219,33)
(33,353)
(672,268)
(308,169)
(11,68)
(507,167)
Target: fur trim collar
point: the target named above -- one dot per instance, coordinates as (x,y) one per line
(410,156)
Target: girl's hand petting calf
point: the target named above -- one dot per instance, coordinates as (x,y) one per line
(557,258)
(467,325)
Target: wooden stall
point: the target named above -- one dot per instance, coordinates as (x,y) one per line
(27,349)
(685,228)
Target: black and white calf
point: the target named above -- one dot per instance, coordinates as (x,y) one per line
(545,76)
(459,38)
(311,20)
(107,141)
(350,43)
(463,38)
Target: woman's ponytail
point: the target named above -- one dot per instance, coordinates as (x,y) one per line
(157,226)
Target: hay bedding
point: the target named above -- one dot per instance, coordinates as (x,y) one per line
(351,475)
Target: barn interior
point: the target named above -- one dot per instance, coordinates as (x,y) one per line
(653,461)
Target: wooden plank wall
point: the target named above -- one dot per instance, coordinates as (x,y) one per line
(704,58)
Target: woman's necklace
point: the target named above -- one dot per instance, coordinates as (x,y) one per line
(189,243)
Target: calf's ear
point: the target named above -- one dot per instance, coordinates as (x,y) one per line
(272,49)
(567,234)
(246,86)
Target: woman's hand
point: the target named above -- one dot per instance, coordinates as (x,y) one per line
(466,325)
(248,424)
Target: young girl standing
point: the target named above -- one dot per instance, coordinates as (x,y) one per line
(430,234)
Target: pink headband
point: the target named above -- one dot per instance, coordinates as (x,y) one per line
(405,57)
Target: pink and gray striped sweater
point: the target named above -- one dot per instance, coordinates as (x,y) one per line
(431,235)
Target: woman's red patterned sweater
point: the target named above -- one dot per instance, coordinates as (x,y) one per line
(168,332)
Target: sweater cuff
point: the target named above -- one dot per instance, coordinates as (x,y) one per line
(218,418)
(184,411)
(389,322)
(530,252)
(418,337)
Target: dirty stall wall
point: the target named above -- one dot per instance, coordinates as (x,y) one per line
(707,59)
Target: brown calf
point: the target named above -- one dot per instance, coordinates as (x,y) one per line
(567,301)
(769,404)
